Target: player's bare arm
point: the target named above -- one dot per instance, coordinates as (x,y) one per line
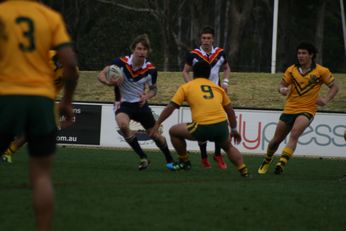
(333,89)
(226,75)
(167,111)
(232,123)
(283,88)
(68,59)
(149,94)
(186,73)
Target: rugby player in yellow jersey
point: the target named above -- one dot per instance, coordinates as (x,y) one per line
(301,84)
(20,140)
(28,30)
(211,111)
(217,60)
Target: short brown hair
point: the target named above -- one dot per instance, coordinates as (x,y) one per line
(143,39)
(207,30)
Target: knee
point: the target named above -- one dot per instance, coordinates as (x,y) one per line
(155,137)
(124,128)
(173,131)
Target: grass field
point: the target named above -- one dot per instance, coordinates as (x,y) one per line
(247,90)
(101,189)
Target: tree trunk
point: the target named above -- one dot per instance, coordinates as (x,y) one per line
(240,13)
(320,29)
(217,21)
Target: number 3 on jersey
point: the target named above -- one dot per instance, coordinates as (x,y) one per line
(27,34)
(207,89)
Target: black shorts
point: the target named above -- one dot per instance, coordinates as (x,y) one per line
(143,115)
(32,116)
(289,119)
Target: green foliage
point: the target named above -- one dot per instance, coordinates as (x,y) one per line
(103,29)
(101,189)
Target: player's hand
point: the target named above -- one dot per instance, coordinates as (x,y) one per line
(284,91)
(235,136)
(144,98)
(321,101)
(224,87)
(153,130)
(66,112)
(115,81)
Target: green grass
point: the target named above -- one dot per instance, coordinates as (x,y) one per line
(247,90)
(101,189)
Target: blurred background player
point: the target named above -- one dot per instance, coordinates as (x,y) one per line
(212,113)
(301,84)
(138,73)
(216,58)
(28,31)
(20,140)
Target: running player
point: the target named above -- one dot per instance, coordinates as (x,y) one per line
(28,30)
(20,140)
(301,84)
(139,73)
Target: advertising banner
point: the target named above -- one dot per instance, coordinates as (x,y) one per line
(86,127)
(95,125)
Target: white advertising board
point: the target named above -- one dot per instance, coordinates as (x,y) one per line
(324,137)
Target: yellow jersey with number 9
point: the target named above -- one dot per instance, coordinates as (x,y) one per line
(28,30)
(206,100)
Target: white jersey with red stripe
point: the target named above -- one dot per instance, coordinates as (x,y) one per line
(216,59)
(135,80)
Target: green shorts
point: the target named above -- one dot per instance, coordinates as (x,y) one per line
(29,115)
(289,119)
(217,132)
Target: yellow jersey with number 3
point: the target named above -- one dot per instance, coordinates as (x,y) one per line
(304,89)
(28,31)
(206,100)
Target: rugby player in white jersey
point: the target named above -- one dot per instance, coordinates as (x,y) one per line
(138,73)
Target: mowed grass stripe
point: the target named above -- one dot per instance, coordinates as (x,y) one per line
(101,189)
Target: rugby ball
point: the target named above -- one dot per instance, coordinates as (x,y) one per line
(114,72)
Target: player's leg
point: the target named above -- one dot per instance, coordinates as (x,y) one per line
(161,143)
(40,176)
(10,114)
(147,120)
(123,120)
(5,141)
(204,154)
(300,124)
(17,143)
(281,131)
(40,168)
(41,136)
(179,133)
(235,157)
(218,157)
(223,140)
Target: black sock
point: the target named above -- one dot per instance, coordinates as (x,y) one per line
(164,148)
(217,150)
(133,142)
(203,148)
